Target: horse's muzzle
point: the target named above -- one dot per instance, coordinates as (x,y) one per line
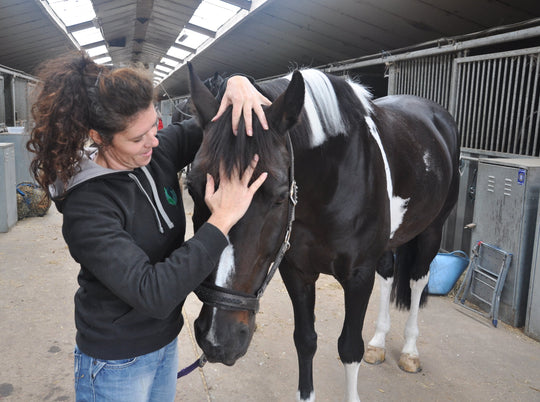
(224,336)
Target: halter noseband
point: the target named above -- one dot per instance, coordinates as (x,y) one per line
(228,299)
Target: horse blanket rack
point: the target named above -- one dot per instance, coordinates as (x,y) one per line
(484,279)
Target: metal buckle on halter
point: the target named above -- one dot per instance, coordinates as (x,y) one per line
(293,193)
(286,241)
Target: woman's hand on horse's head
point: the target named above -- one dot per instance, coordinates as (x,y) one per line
(233,196)
(244,98)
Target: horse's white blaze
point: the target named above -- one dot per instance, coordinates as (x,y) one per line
(351,377)
(226,266)
(398,205)
(310,399)
(224,272)
(411,328)
(383,320)
(427,161)
(211,334)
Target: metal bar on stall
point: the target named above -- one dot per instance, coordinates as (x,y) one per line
(438,84)
(492,105)
(511,133)
(526,101)
(453,98)
(506,111)
(536,145)
(461,117)
(467,94)
(503,98)
(431,78)
(474,134)
(482,103)
(519,103)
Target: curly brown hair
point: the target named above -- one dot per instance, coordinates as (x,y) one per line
(77,95)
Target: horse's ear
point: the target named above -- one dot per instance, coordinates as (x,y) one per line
(285,110)
(206,106)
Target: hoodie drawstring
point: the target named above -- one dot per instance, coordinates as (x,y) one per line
(136,180)
(156,198)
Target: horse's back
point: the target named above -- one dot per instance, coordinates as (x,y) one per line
(408,113)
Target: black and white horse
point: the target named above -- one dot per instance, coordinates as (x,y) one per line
(376,181)
(182,109)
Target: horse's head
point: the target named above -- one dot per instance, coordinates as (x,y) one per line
(227,319)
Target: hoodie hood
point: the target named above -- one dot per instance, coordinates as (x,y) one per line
(88,169)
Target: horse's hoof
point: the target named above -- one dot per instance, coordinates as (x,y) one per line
(409,363)
(374,355)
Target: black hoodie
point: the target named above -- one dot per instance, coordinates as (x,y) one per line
(126,229)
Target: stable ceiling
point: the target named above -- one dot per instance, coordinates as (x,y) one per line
(276,36)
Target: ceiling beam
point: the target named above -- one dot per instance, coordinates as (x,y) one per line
(245,4)
(94,44)
(186,48)
(81,26)
(201,30)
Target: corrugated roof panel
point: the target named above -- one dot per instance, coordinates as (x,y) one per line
(276,36)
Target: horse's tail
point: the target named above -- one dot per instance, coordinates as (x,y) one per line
(405,258)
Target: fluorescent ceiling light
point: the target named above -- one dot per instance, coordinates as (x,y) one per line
(169,62)
(103,60)
(89,35)
(67,13)
(191,38)
(97,51)
(164,68)
(212,14)
(73,12)
(178,53)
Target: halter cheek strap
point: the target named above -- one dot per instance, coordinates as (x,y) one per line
(228,299)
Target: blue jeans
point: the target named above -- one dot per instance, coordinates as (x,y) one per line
(150,377)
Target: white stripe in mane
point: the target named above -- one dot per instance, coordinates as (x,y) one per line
(362,94)
(321,106)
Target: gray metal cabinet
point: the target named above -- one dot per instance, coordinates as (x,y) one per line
(532,321)
(505,212)
(8,196)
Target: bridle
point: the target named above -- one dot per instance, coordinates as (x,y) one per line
(228,299)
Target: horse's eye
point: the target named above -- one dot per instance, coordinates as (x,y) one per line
(282,198)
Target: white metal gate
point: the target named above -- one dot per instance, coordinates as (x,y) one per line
(496,101)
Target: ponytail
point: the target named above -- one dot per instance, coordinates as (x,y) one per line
(77,95)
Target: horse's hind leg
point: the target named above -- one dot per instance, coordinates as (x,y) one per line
(376,352)
(302,295)
(412,265)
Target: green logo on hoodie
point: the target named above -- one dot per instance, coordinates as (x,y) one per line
(172,198)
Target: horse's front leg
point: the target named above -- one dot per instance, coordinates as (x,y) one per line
(301,290)
(357,289)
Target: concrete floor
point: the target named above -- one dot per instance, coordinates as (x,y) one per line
(464,358)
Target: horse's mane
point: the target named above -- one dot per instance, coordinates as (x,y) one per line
(332,106)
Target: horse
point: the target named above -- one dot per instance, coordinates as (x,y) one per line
(356,187)
(182,110)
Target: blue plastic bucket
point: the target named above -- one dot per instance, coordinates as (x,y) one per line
(445,270)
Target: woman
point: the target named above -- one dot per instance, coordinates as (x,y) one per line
(124,221)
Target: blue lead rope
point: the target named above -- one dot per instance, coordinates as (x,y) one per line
(200,362)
